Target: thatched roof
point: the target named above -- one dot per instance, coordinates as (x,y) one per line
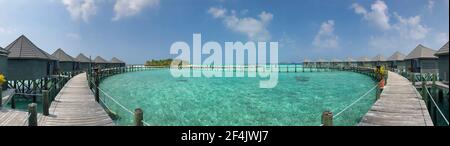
(23,48)
(443,50)
(397,56)
(306,60)
(115,60)
(363,59)
(421,52)
(349,59)
(63,56)
(379,57)
(336,60)
(321,60)
(82,58)
(99,59)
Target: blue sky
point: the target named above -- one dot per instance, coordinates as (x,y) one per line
(138,30)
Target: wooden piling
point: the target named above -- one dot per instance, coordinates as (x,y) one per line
(327,118)
(97,82)
(13,102)
(45,102)
(138,117)
(424,91)
(32,111)
(1,96)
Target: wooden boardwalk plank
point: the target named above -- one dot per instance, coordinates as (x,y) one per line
(75,105)
(399,105)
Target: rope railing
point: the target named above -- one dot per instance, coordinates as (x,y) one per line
(115,101)
(111,98)
(437,107)
(354,102)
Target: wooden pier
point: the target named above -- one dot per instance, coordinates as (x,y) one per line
(10,117)
(400,104)
(75,105)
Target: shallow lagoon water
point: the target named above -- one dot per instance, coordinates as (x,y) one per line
(298,100)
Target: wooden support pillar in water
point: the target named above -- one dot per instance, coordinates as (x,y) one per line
(424,91)
(327,118)
(32,111)
(45,102)
(138,117)
(1,96)
(13,102)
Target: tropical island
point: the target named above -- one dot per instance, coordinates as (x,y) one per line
(166,62)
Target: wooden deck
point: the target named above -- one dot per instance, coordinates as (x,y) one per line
(399,105)
(75,105)
(9,117)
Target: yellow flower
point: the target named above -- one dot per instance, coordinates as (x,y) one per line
(2,79)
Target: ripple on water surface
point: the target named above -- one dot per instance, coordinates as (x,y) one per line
(298,99)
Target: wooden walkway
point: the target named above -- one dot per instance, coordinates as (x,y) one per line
(9,117)
(399,105)
(75,105)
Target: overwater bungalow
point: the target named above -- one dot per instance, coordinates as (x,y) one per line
(350,62)
(307,63)
(321,63)
(363,62)
(117,62)
(66,62)
(84,62)
(443,63)
(26,61)
(3,64)
(378,60)
(3,61)
(336,63)
(422,60)
(396,61)
(100,62)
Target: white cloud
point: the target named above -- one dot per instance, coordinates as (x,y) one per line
(80,9)
(217,12)
(326,38)
(74,36)
(253,28)
(430,4)
(126,8)
(4,30)
(410,28)
(378,15)
(441,38)
(403,34)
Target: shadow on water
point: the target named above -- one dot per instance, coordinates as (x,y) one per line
(302,79)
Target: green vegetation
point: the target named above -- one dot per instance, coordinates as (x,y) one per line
(166,62)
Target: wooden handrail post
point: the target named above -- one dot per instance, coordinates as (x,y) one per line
(434,78)
(13,102)
(424,90)
(45,102)
(327,118)
(32,111)
(96,82)
(1,96)
(138,117)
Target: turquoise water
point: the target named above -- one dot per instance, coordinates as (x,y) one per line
(299,99)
